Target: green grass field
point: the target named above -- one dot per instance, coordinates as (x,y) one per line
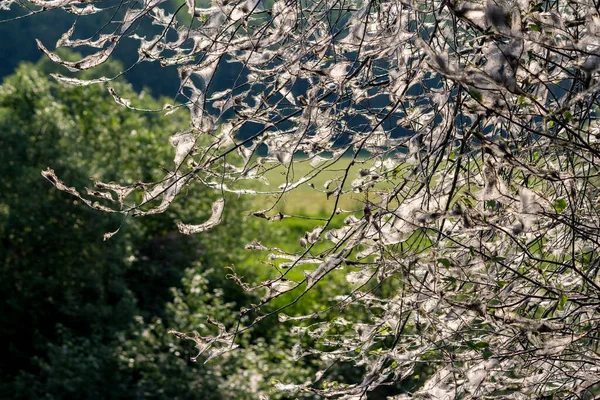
(310,198)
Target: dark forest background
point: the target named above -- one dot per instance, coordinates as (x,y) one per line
(87,319)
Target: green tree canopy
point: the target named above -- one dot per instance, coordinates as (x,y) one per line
(87,318)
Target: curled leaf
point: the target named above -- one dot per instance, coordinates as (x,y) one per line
(215,219)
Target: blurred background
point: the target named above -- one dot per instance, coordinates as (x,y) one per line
(84,318)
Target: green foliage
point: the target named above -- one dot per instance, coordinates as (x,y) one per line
(89,319)
(243,374)
(56,271)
